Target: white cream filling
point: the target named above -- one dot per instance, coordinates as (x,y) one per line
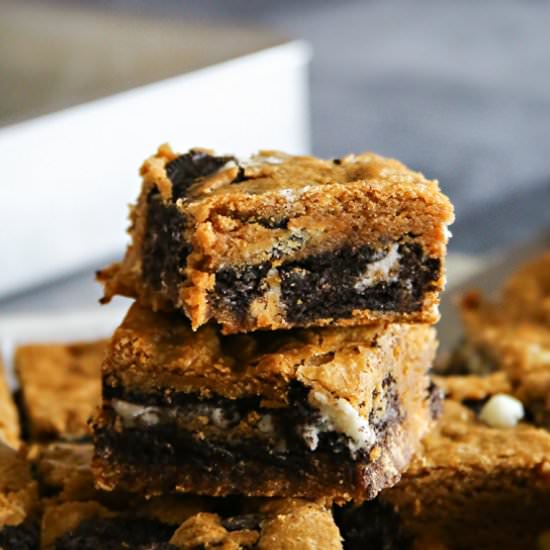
(339,415)
(145,415)
(384,269)
(132,414)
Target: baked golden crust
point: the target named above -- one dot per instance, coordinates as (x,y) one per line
(60,385)
(271,212)
(9,418)
(153,349)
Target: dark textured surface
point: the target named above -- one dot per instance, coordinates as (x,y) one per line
(20,537)
(373,525)
(236,288)
(160,454)
(323,286)
(118,534)
(164,249)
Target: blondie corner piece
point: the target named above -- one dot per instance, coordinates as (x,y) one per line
(331,413)
(18,502)
(471,485)
(9,418)
(60,387)
(280,241)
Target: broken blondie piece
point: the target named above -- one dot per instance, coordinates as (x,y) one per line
(282,241)
(474,483)
(60,386)
(18,502)
(512,335)
(9,418)
(331,412)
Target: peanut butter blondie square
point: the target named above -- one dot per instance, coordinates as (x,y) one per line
(18,502)
(282,241)
(60,386)
(327,412)
(480,480)
(512,335)
(9,418)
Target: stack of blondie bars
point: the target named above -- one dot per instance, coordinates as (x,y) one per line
(273,368)
(281,337)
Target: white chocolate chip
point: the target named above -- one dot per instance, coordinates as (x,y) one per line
(502,411)
(339,415)
(383,269)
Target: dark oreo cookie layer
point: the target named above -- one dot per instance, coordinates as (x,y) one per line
(117,533)
(187,168)
(24,536)
(164,249)
(373,525)
(289,423)
(323,286)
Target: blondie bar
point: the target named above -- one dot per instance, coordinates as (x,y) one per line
(280,241)
(9,418)
(18,502)
(319,413)
(472,485)
(512,335)
(60,386)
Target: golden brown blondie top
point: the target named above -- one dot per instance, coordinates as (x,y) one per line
(60,386)
(152,349)
(275,171)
